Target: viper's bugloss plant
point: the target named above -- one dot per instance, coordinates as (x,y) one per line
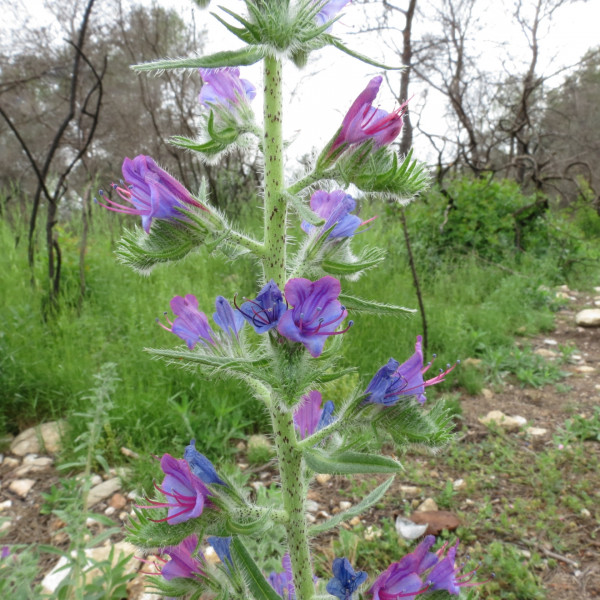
(297,312)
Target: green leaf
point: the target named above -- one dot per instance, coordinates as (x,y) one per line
(248,527)
(359,508)
(336,42)
(369,258)
(360,305)
(258,585)
(349,462)
(228,58)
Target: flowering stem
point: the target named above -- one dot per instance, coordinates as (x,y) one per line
(291,468)
(275,215)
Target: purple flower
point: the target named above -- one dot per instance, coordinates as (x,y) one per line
(310,417)
(183,563)
(186,495)
(447,576)
(264,312)
(330,10)
(316,312)
(394,379)
(283,583)
(364,122)
(5,552)
(335,208)
(223,88)
(345,580)
(200,466)
(191,324)
(152,192)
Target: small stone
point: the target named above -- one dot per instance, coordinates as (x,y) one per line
(436,520)
(5,504)
(311,518)
(345,505)
(102,491)
(545,353)
(110,510)
(5,525)
(21,487)
(130,453)
(123,515)
(323,514)
(428,504)
(536,431)
(589,317)
(257,485)
(264,475)
(240,446)
(133,495)
(211,556)
(459,484)
(11,462)
(354,521)
(550,342)
(259,441)
(504,421)
(408,530)
(524,553)
(90,522)
(242,466)
(312,506)
(118,501)
(32,440)
(584,369)
(410,491)
(323,478)
(487,393)
(563,296)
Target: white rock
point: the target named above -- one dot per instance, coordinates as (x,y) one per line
(410,490)
(589,317)
(504,421)
(584,369)
(372,533)
(408,530)
(103,490)
(5,504)
(487,393)
(32,440)
(311,518)
(110,510)
(345,505)
(259,441)
(550,342)
(323,514)
(5,525)
(21,487)
(427,504)
(312,506)
(257,485)
(459,484)
(584,512)
(323,478)
(545,353)
(11,462)
(95,479)
(536,431)
(354,521)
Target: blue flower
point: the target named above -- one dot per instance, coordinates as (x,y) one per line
(316,312)
(264,312)
(329,10)
(221,546)
(283,583)
(345,580)
(200,466)
(229,320)
(223,87)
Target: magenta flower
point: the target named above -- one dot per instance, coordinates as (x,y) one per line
(447,576)
(224,88)
(152,192)
(316,312)
(364,122)
(330,10)
(309,416)
(335,208)
(191,324)
(183,563)
(395,380)
(186,495)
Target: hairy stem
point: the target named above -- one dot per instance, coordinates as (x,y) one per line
(275,217)
(291,470)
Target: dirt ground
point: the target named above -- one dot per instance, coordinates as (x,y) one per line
(576,575)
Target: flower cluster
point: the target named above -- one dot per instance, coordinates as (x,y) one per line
(151,191)
(394,380)
(422,571)
(224,89)
(192,326)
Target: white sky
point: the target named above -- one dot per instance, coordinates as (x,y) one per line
(319,95)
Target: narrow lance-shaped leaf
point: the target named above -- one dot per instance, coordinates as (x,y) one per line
(360,305)
(228,58)
(358,509)
(336,42)
(257,584)
(349,462)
